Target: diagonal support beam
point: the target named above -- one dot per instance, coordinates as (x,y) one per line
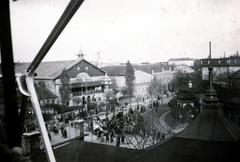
(59,27)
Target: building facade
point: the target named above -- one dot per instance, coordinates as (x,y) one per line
(221,66)
(181,61)
(141,83)
(86,81)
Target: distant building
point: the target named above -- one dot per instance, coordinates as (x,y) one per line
(45,96)
(181,61)
(117,73)
(142,79)
(165,77)
(184,68)
(143,76)
(221,66)
(142,82)
(234,80)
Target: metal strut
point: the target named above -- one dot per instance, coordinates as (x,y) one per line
(29,80)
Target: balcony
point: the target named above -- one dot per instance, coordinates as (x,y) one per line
(83,93)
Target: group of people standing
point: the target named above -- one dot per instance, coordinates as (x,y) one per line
(112,131)
(64,132)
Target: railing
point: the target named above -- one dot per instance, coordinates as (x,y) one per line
(77,94)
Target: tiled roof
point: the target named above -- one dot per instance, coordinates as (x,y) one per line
(115,70)
(157,67)
(46,70)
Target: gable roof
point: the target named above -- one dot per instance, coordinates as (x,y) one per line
(115,70)
(46,70)
(44,93)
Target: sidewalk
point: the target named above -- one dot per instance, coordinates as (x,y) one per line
(75,132)
(163,123)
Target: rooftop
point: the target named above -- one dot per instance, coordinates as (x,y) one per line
(148,68)
(50,69)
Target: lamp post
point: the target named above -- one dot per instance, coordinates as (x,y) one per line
(152,79)
(107,81)
(86,94)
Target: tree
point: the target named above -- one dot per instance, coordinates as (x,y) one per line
(64,90)
(180,81)
(155,88)
(129,80)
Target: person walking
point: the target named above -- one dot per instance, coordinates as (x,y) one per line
(158,135)
(107,137)
(98,134)
(118,141)
(62,131)
(111,136)
(65,133)
(102,137)
(123,138)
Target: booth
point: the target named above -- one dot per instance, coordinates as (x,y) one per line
(79,124)
(31,142)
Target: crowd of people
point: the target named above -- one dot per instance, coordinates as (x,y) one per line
(111,131)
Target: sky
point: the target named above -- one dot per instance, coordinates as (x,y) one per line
(121,30)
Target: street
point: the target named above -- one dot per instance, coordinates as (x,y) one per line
(155,124)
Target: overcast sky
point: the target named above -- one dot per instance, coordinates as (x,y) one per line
(121,30)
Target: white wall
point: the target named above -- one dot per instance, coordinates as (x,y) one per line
(142,77)
(120,81)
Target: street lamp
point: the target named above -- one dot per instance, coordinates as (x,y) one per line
(190,84)
(152,79)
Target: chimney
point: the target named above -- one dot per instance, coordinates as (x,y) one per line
(210,52)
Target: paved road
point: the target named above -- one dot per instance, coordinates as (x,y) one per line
(155,115)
